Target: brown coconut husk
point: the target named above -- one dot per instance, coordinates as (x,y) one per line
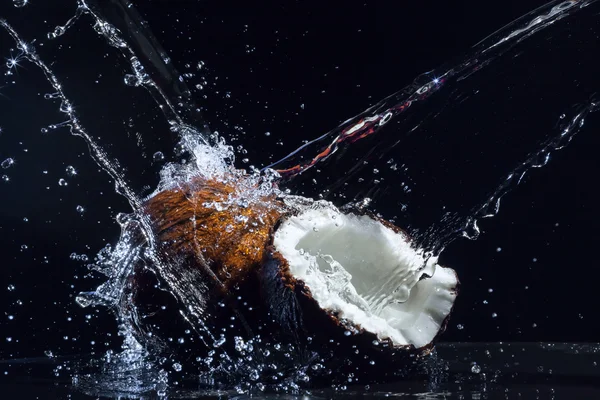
(210,246)
(187,222)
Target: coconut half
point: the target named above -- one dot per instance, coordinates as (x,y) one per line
(287,269)
(366,273)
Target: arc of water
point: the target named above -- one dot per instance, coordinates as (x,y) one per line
(376,117)
(124,28)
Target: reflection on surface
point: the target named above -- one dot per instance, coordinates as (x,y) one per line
(453,371)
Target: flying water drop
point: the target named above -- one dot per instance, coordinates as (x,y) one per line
(9,162)
(71,171)
(131,80)
(158,156)
(58,31)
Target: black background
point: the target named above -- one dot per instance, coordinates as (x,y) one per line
(295,69)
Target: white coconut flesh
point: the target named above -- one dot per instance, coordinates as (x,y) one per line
(368,274)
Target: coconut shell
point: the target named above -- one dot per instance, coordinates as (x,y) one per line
(232,240)
(208,236)
(224,245)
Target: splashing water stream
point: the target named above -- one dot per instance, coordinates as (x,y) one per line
(207,155)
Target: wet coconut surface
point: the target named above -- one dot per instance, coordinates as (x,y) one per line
(218,236)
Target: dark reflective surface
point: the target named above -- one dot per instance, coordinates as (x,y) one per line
(455,371)
(522,280)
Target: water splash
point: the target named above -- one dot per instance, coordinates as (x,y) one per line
(118,266)
(20,3)
(538,159)
(376,117)
(150,64)
(137,242)
(28,53)
(428,87)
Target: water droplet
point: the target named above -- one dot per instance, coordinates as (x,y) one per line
(25,219)
(267,133)
(58,31)
(158,156)
(494,315)
(83,301)
(177,367)
(110,33)
(24,247)
(9,162)
(131,80)
(20,3)
(5,178)
(71,171)
(475,369)
(460,327)
(66,107)
(80,209)
(62,182)
(44,130)
(240,345)
(499,249)
(79,257)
